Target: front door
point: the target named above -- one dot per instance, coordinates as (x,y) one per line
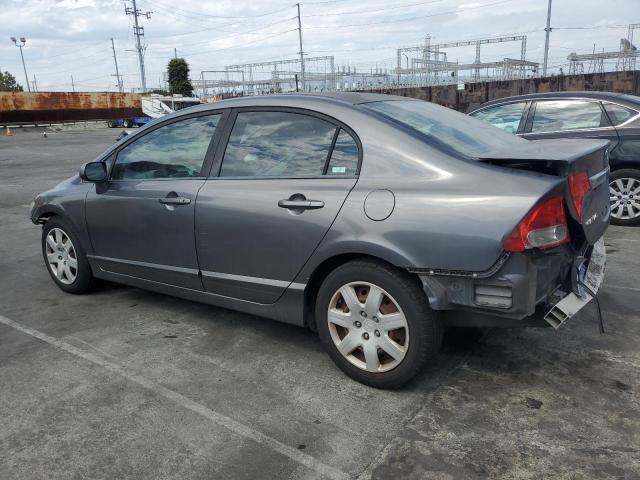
(282,180)
(141,222)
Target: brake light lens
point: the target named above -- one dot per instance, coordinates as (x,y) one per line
(579,186)
(544,227)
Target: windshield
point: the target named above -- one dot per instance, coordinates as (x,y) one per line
(464,134)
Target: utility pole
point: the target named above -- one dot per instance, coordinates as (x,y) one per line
(21,44)
(35,84)
(301,51)
(138,32)
(73,85)
(175,52)
(115,59)
(546,41)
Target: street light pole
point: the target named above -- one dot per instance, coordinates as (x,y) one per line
(21,44)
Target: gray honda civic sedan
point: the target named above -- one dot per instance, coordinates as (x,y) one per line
(374,220)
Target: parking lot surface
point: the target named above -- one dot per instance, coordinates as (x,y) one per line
(124,383)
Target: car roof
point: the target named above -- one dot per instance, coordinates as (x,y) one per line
(302,100)
(621,98)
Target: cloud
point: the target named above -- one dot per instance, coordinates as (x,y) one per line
(72,4)
(72,37)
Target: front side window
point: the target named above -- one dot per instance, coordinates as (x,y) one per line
(618,114)
(175,150)
(505,117)
(277,144)
(553,116)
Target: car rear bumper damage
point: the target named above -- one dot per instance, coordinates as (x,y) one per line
(521,289)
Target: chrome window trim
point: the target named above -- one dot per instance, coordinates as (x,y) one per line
(591,129)
(493,105)
(631,119)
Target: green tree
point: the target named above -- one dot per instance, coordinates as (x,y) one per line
(179,82)
(8,83)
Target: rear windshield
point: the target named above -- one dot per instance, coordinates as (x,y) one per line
(443,126)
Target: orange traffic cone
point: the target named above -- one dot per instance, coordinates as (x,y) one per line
(8,132)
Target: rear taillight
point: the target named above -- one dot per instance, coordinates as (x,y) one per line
(579,185)
(544,227)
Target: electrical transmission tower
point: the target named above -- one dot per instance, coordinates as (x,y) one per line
(138,32)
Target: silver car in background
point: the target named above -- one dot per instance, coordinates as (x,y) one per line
(374,220)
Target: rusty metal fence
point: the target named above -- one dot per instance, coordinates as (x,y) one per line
(55,107)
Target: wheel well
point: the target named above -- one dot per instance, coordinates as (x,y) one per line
(325,268)
(628,164)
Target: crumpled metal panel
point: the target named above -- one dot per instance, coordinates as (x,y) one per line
(45,107)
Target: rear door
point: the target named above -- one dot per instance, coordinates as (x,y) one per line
(570,118)
(628,146)
(276,187)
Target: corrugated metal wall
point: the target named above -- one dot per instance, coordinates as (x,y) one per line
(25,107)
(476,93)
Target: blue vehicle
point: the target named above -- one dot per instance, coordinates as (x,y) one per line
(155,106)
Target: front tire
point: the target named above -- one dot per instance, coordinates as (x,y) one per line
(65,259)
(375,323)
(624,191)
(126,124)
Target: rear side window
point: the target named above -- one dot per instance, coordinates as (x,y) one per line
(277,144)
(505,117)
(176,150)
(344,158)
(617,113)
(553,116)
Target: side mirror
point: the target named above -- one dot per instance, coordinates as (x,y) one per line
(94,172)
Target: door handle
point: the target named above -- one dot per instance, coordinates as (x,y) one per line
(175,201)
(301,204)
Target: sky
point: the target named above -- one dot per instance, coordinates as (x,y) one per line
(67,38)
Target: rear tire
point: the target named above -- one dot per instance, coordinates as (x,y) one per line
(624,190)
(64,258)
(111,124)
(387,345)
(126,124)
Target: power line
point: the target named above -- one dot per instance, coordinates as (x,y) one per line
(226,36)
(360,12)
(244,44)
(202,22)
(201,15)
(413,17)
(395,46)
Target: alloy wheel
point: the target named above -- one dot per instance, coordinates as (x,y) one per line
(624,194)
(61,256)
(368,327)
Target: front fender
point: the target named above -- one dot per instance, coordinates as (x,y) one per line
(67,201)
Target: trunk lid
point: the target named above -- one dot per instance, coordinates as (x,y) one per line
(564,158)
